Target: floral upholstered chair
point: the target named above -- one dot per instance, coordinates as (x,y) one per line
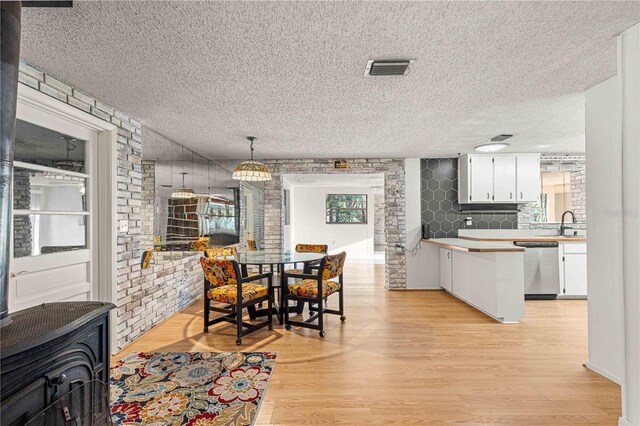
(315,289)
(200,244)
(308,248)
(223,283)
(251,245)
(220,252)
(145,258)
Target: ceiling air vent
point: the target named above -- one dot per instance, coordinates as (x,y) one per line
(500,138)
(377,68)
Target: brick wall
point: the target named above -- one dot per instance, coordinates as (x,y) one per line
(394,191)
(576,165)
(147,209)
(22,241)
(146,297)
(378,219)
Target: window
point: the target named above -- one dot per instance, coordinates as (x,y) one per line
(50,192)
(346,208)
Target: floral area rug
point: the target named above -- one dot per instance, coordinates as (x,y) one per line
(190,388)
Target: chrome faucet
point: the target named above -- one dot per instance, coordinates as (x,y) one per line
(563,227)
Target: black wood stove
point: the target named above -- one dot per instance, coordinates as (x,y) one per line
(50,351)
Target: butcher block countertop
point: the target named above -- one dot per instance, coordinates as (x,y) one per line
(474,246)
(527,239)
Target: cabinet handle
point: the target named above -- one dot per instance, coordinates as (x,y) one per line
(511,195)
(448,255)
(487,195)
(521,196)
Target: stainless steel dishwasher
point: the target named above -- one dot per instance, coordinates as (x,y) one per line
(541,270)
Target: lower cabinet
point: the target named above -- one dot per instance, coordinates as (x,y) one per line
(446,269)
(573,270)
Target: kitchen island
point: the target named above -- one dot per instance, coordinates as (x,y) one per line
(486,275)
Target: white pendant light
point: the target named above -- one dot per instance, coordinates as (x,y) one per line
(252,171)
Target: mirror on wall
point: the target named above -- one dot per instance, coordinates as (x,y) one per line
(555,197)
(186,198)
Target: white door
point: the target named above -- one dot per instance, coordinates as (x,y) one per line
(53,197)
(504,178)
(446,278)
(528,178)
(575,275)
(481,178)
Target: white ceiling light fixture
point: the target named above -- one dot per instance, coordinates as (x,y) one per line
(252,171)
(491,147)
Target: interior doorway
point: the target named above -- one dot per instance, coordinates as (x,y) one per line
(63,239)
(345,212)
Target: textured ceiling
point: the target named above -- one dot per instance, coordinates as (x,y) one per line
(207,74)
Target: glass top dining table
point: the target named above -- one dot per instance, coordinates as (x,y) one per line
(261,257)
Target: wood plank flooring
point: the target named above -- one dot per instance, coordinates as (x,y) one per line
(417,357)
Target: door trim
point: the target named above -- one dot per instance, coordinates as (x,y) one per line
(105,247)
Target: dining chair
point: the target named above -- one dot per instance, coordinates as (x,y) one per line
(316,288)
(145,258)
(308,248)
(223,283)
(220,252)
(200,244)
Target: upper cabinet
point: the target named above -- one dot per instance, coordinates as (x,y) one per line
(498,178)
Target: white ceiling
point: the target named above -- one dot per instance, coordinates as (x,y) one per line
(207,74)
(335,180)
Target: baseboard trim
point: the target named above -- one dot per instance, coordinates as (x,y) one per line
(624,422)
(424,288)
(604,373)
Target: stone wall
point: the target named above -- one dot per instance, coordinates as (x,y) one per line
(147,209)
(378,219)
(576,165)
(394,191)
(22,238)
(144,298)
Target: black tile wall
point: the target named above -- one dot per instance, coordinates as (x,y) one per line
(440,208)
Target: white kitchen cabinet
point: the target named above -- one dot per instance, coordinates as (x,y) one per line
(504,178)
(573,270)
(446,271)
(498,178)
(528,178)
(481,168)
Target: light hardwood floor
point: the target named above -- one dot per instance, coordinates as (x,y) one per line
(417,357)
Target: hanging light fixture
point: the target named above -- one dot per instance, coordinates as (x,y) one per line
(183,191)
(251,170)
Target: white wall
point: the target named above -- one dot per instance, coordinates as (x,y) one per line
(613,203)
(309,222)
(629,88)
(604,208)
(423,267)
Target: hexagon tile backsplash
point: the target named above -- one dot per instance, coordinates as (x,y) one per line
(440,208)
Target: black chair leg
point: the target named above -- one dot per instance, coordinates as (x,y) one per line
(299,307)
(252,311)
(321,317)
(341,304)
(207,304)
(270,306)
(239,323)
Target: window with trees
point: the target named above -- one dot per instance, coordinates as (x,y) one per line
(347,208)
